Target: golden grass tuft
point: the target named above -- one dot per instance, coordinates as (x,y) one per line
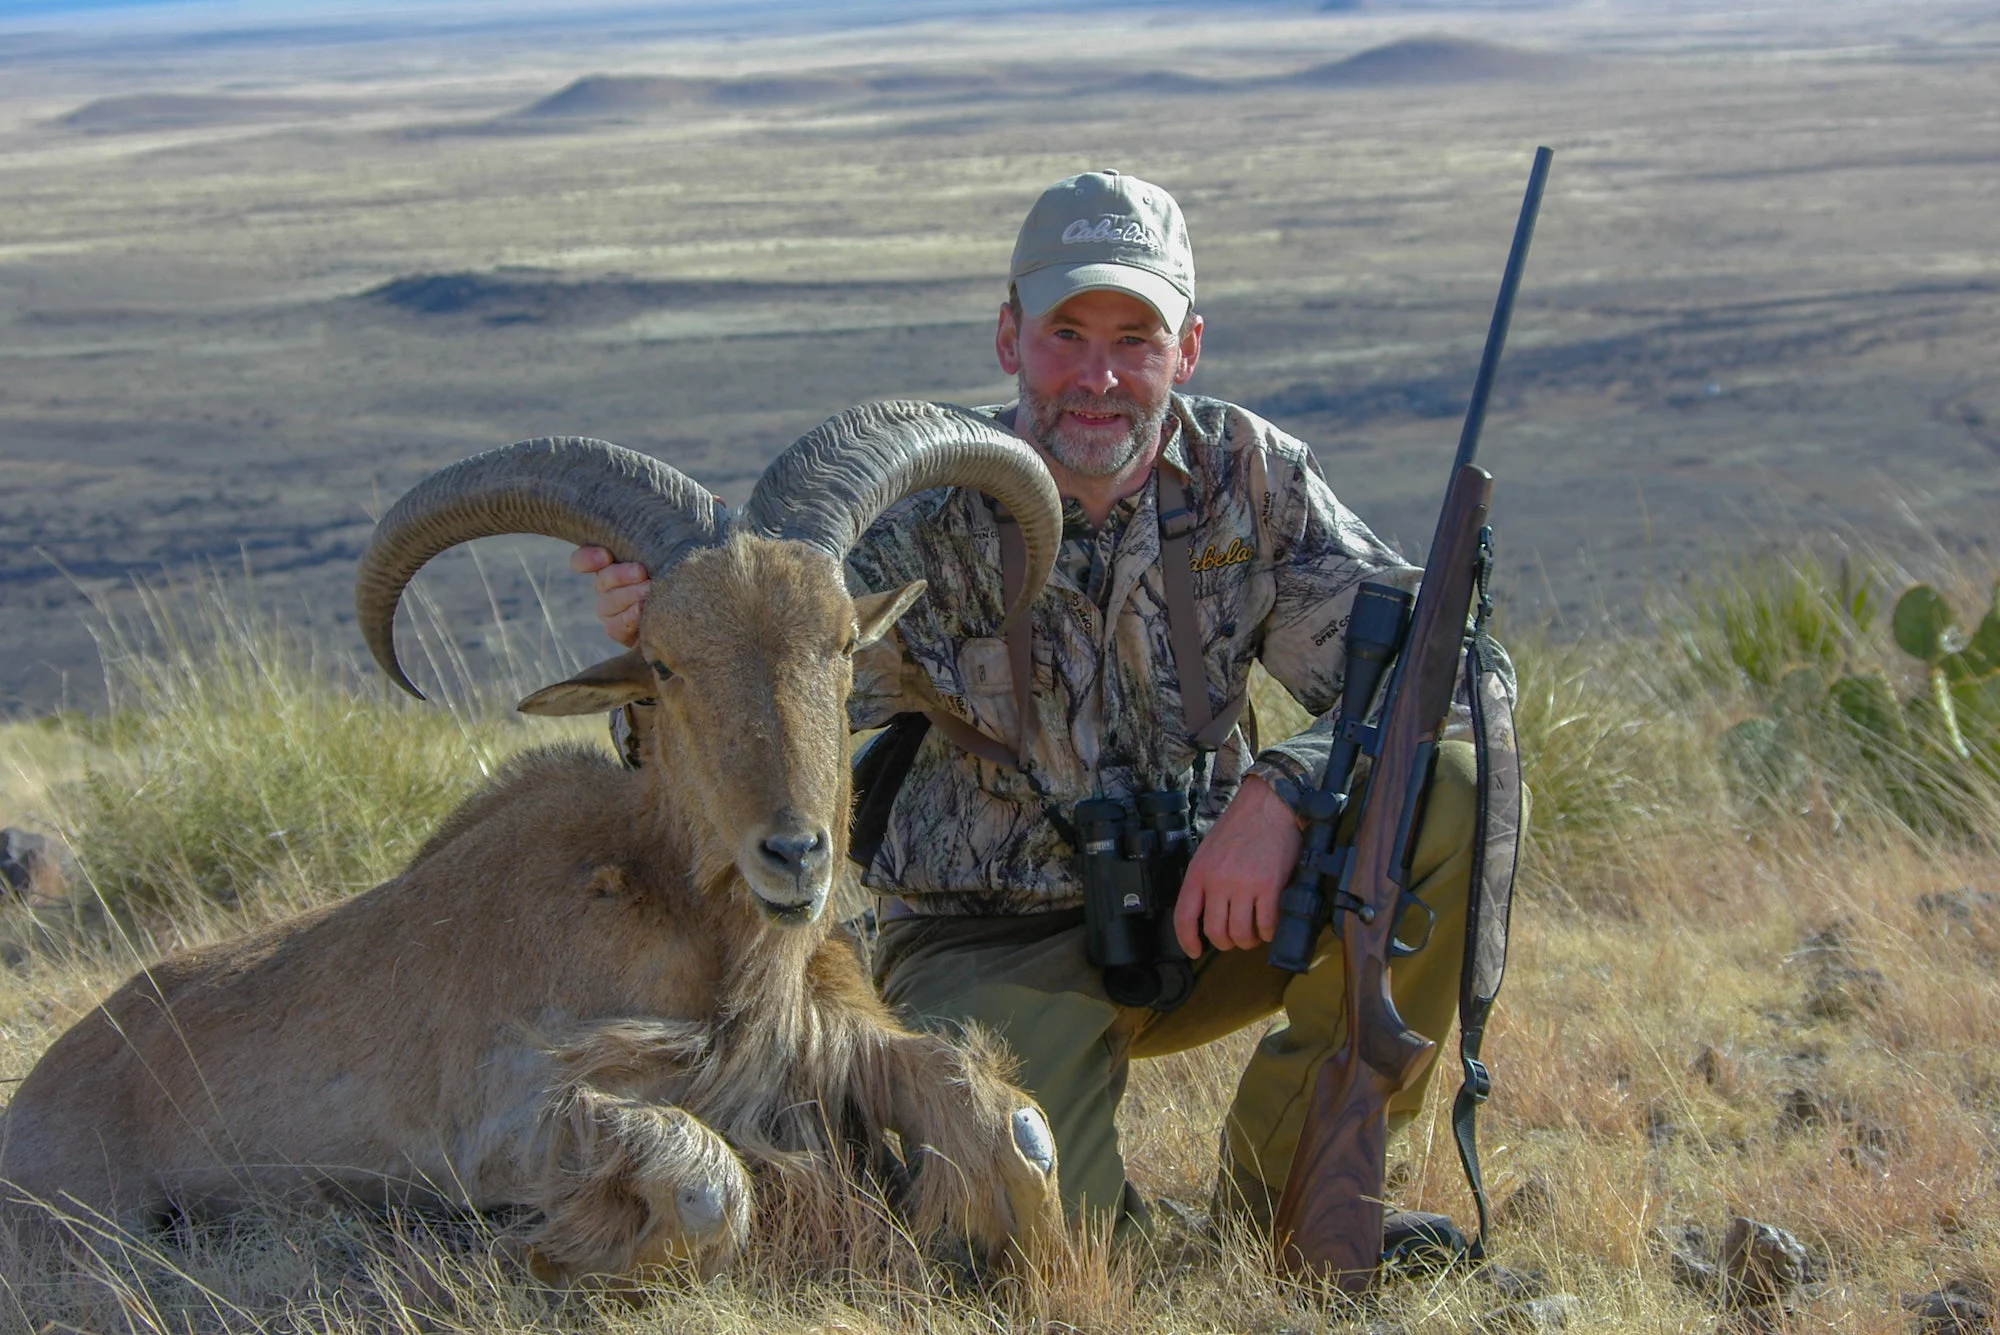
(1720,1001)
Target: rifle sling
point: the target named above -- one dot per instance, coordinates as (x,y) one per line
(1489,903)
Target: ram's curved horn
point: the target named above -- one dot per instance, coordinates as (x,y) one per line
(587,492)
(832,483)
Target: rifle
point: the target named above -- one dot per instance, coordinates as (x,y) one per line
(1329,1219)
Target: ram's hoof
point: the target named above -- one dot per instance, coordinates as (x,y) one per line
(704,1210)
(1032,1138)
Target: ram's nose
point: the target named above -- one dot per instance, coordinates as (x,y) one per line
(796,854)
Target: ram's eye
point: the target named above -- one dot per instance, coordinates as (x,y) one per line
(660,670)
(850,640)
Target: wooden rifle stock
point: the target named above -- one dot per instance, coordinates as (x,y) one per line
(1329,1220)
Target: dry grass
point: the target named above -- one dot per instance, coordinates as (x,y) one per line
(1716,1004)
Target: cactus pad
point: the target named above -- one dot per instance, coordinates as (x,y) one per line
(1922,623)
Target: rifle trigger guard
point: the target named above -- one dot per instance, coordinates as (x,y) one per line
(1405,900)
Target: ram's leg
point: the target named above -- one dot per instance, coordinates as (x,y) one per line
(980,1149)
(631,1184)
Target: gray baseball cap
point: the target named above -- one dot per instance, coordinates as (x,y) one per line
(1103,230)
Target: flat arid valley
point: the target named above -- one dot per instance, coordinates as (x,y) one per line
(256,280)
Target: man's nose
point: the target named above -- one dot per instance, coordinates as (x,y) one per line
(1096,373)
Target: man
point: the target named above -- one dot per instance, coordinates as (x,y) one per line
(981,918)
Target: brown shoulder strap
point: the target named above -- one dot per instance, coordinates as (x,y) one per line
(968,738)
(1205,727)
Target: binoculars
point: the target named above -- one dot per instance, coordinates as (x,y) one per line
(1133,860)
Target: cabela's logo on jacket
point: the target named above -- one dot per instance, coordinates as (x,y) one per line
(1211,559)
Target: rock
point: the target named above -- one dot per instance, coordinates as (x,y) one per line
(1661,1128)
(1557,1311)
(1693,1274)
(1832,939)
(1511,1284)
(1963,906)
(1717,1069)
(1800,1109)
(34,868)
(1529,1203)
(1843,991)
(1762,1266)
(1944,1312)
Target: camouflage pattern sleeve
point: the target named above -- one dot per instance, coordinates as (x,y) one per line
(1321,553)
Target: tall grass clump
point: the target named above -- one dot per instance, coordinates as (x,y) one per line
(241,766)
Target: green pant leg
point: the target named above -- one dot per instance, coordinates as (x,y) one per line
(1034,989)
(1270,1106)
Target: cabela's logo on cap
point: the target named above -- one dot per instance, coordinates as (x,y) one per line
(1111,227)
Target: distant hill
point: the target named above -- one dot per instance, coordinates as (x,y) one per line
(636,96)
(614,95)
(176,111)
(1436,60)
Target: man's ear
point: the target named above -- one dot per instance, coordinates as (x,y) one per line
(1007,340)
(1190,350)
(597,689)
(874,613)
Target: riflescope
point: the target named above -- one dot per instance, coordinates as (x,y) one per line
(1375,630)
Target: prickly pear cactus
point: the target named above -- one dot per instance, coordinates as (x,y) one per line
(1960,669)
(1909,746)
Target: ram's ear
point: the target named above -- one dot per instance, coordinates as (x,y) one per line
(597,689)
(874,613)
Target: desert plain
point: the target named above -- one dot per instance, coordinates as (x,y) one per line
(255,279)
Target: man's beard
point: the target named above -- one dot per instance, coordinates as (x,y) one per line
(1090,458)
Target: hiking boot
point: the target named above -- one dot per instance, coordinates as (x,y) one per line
(1416,1243)
(1413,1241)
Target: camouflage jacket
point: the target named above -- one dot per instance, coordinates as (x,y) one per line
(1275,559)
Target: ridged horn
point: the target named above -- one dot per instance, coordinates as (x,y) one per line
(582,491)
(834,481)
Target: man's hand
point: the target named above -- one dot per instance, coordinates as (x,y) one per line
(621,586)
(1231,891)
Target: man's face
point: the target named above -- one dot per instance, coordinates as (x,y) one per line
(1095,374)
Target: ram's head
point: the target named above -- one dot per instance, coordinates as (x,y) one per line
(747,636)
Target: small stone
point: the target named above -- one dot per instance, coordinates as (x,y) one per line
(1557,1311)
(1978,1290)
(1511,1284)
(1832,939)
(1661,1128)
(1963,906)
(1945,1313)
(1531,1202)
(1185,1217)
(1762,1266)
(1716,1068)
(1800,1109)
(1843,991)
(1693,1273)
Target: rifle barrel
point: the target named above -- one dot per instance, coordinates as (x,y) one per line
(1503,310)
